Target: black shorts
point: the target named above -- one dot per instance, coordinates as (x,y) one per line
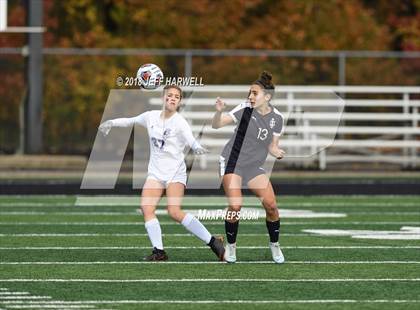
(246,172)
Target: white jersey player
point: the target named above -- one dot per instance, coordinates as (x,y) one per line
(168,138)
(169,134)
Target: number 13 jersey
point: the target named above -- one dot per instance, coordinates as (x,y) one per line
(253,134)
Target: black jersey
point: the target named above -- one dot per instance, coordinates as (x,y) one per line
(253,135)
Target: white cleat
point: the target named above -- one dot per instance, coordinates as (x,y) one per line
(278,257)
(230,252)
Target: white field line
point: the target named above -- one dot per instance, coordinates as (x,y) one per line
(50,306)
(207,262)
(138,213)
(69,213)
(203,247)
(36,204)
(134,235)
(50,196)
(405,233)
(215,204)
(213,201)
(23,297)
(16,300)
(213,280)
(204,222)
(382,213)
(298,301)
(44,302)
(61,307)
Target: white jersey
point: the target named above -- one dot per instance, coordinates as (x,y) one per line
(168,139)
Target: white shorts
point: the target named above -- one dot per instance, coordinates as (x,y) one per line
(177,178)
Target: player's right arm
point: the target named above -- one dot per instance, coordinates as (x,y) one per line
(220,119)
(106,126)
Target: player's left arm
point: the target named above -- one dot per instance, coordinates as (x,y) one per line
(274,149)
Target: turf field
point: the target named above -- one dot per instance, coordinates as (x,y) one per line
(362,252)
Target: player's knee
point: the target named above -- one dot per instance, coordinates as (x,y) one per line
(147,210)
(271,207)
(235,208)
(175,214)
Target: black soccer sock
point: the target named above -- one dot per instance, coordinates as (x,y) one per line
(231,231)
(273,230)
(210,244)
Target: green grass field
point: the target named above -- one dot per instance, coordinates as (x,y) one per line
(58,255)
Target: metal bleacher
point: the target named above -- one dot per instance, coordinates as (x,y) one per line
(324,124)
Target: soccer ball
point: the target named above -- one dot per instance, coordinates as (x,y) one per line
(150,76)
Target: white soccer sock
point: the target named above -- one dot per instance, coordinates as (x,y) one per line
(155,233)
(195,227)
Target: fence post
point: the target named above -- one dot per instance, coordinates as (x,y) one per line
(188,64)
(292,150)
(342,69)
(322,160)
(406,112)
(34,76)
(414,122)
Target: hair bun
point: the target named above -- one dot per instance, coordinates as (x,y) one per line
(265,81)
(266,77)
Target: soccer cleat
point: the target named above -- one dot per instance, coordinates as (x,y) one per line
(230,252)
(157,255)
(216,245)
(276,253)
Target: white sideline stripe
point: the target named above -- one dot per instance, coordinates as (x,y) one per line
(389,237)
(50,196)
(51,306)
(253,212)
(206,262)
(213,204)
(405,233)
(298,301)
(213,280)
(204,222)
(133,235)
(35,204)
(24,297)
(137,213)
(13,293)
(382,213)
(67,213)
(205,247)
(46,302)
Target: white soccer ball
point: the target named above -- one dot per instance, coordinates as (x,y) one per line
(150,76)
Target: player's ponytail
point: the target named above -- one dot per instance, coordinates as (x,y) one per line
(265,81)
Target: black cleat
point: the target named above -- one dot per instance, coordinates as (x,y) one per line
(216,245)
(157,255)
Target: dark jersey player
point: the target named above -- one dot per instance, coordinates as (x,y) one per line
(258,129)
